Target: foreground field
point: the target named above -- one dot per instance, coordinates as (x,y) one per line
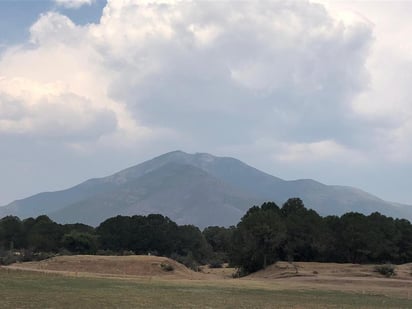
(139,281)
(21,289)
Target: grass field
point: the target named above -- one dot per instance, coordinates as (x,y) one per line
(22,289)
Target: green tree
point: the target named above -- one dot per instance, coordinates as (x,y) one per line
(80,242)
(44,235)
(220,240)
(191,242)
(11,233)
(404,243)
(258,238)
(304,229)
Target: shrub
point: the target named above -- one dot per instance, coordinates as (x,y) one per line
(215,264)
(187,260)
(167,267)
(107,252)
(239,273)
(127,252)
(9,258)
(388,270)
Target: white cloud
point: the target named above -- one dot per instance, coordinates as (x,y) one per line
(384,108)
(61,86)
(287,70)
(317,151)
(73,4)
(50,110)
(261,66)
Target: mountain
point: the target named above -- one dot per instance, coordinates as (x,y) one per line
(198,189)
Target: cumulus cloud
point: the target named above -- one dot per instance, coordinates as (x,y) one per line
(212,73)
(73,4)
(49,110)
(60,86)
(383,109)
(283,68)
(278,83)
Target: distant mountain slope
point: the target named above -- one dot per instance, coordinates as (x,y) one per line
(182,192)
(198,189)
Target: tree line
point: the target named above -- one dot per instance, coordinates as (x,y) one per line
(264,235)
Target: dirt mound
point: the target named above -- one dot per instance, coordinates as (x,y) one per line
(336,270)
(134,265)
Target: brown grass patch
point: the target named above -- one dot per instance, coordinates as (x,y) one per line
(338,277)
(340,270)
(133,265)
(299,276)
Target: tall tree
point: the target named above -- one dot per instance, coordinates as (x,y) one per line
(258,237)
(304,229)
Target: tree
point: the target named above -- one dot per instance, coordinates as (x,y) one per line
(304,230)
(220,240)
(191,242)
(44,235)
(404,243)
(80,242)
(11,233)
(353,237)
(257,238)
(115,233)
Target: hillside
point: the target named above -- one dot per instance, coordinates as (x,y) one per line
(198,189)
(133,265)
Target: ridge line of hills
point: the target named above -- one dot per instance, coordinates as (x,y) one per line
(199,189)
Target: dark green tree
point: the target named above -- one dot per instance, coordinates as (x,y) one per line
(80,242)
(44,235)
(220,240)
(304,230)
(11,233)
(258,238)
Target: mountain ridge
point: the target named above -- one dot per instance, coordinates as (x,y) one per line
(199,189)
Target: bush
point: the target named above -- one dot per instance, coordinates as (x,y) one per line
(167,267)
(215,264)
(107,252)
(388,270)
(9,258)
(127,252)
(239,273)
(187,260)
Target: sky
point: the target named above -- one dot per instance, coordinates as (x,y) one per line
(298,89)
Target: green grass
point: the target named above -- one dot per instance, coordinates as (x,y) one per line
(20,289)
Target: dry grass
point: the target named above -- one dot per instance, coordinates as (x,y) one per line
(23,289)
(282,276)
(339,277)
(117,266)
(314,269)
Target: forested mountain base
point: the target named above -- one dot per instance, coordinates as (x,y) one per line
(264,235)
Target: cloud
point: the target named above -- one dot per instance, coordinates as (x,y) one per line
(49,110)
(73,4)
(323,150)
(383,109)
(59,86)
(263,67)
(212,73)
(289,86)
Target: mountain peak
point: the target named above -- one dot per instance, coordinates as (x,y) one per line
(194,188)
